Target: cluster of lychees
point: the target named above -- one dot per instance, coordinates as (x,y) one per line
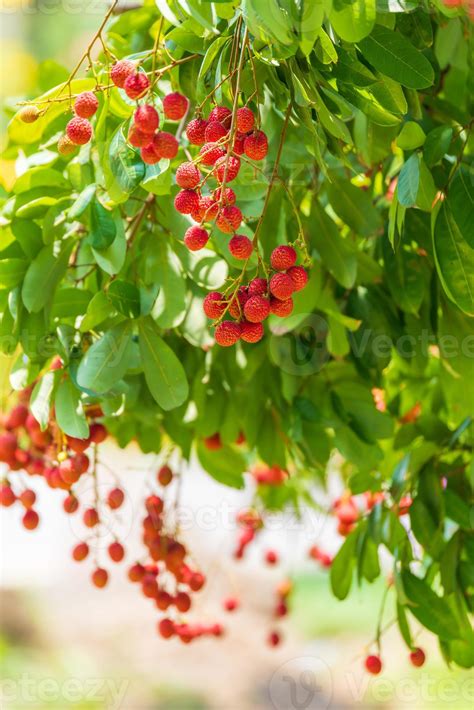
(167,578)
(348,512)
(44,453)
(250,305)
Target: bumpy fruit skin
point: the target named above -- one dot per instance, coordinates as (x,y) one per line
(245,119)
(240,246)
(146,119)
(65,145)
(229,196)
(256,145)
(149,155)
(227,333)
(188,175)
(79,130)
(29,114)
(281,308)
(229,219)
(221,114)
(237,303)
(210,152)
(208,209)
(165,144)
(121,70)
(251,332)
(175,106)
(214,132)
(196,131)
(30,520)
(258,287)
(137,138)
(86,104)
(256,309)
(417,657)
(99,578)
(299,277)
(136,85)
(281,286)
(186,201)
(196,238)
(283,258)
(373,665)
(8,446)
(233,167)
(239,141)
(214,305)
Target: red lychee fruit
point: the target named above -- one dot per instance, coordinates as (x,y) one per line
(373,664)
(186,201)
(256,145)
(282,309)
(175,106)
(116,552)
(196,131)
(99,577)
(30,519)
(214,132)
(257,309)
(165,144)
(86,104)
(27,498)
(258,287)
(196,238)
(240,246)
(80,551)
(229,195)
(214,305)
(251,332)
(208,209)
(7,496)
(98,433)
(79,130)
(233,167)
(417,657)
(245,119)
(281,286)
(227,333)
(282,258)
(70,504)
(221,114)
(165,476)
(146,119)
(210,152)
(115,498)
(299,277)
(274,639)
(90,517)
(188,175)
(121,70)
(166,628)
(229,219)
(149,155)
(136,85)
(231,604)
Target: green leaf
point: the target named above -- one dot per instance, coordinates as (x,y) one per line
(112,259)
(69,411)
(164,372)
(403,625)
(431,610)
(163,268)
(225,465)
(454,260)
(70,303)
(158,178)
(82,202)
(98,310)
(343,566)
(107,360)
(354,207)
(12,272)
(437,144)
(125,298)
(103,227)
(40,177)
(336,253)
(411,136)
(43,276)
(353,20)
(125,169)
(408,181)
(394,55)
(461,203)
(40,401)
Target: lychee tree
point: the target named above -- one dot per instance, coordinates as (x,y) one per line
(209,167)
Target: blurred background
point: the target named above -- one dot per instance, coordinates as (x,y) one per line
(64,643)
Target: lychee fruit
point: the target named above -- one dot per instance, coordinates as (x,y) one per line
(229,219)
(79,130)
(30,519)
(221,114)
(256,145)
(196,238)
(146,119)
(281,286)
(251,332)
(240,246)
(165,144)
(227,333)
(188,175)
(196,131)
(80,551)
(214,305)
(282,258)
(229,195)
(233,167)
(65,145)
(175,106)
(121,70)
(373,664)
(299,277)
(208,209)
(258,287)
(245,119)
(417,657)
(214,132)
(29,114)
(210,152)
(86,104)
(282,309)
(256,309)
(99,577)
(186,202)
(136,85)
(116,551)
